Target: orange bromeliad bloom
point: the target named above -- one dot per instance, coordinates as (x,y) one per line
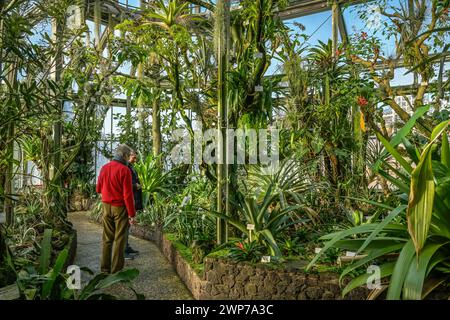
(362,101)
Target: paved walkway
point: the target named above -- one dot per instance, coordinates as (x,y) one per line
(157,279)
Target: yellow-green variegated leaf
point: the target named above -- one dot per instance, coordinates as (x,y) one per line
(421,198)
(421,195)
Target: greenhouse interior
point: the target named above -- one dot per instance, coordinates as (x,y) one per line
(224,150)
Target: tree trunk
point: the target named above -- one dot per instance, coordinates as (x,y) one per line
(156,128)
(223,29)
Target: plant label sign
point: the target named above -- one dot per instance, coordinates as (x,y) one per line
(350,254)
(265,259)
(259,88)
(317,250)
(2,217)
(250,226)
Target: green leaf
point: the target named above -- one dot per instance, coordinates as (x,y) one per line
(397,182)
(401,268)
(381,226)
(406,129)
(445,151)
(438,131)
(122,276)
(371,256)
(421,198)
(413,286)
(385,270)
(412,151)
(366,228)
(391,149)
(46,250)
(273,244)
(403,132)
(59,265)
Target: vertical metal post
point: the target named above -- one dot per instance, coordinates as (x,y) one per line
(222,123)
(334,26)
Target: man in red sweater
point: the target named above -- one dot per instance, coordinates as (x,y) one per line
(114,184)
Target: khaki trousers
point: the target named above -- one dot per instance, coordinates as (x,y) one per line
(115,225)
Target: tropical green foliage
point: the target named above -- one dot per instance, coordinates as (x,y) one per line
(417,230)
(268,218)
(50,283)
(247,251)
(154,181)
(376,187)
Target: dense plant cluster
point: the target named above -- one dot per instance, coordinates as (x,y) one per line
(347,181)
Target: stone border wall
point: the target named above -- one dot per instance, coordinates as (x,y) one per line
(224,279)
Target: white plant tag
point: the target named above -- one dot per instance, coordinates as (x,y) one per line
(259,88)
(265,259)
(317,250)
(250,226)
(259,55)
(350,254)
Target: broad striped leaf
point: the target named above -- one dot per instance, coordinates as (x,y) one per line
(413,286)
(400,271)
(421,196)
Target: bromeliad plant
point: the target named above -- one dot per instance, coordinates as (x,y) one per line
(247,251)
(269,218)
(418,230)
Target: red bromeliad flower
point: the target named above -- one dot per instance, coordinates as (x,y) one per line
(362,101)
(363,35)
(240,245)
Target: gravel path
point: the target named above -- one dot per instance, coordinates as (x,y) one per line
(157,279)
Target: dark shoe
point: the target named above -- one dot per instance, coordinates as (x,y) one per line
(130,250)
(128,256)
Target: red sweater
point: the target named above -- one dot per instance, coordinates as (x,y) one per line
(114,183)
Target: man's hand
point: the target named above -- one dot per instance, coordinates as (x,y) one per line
(132,220)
